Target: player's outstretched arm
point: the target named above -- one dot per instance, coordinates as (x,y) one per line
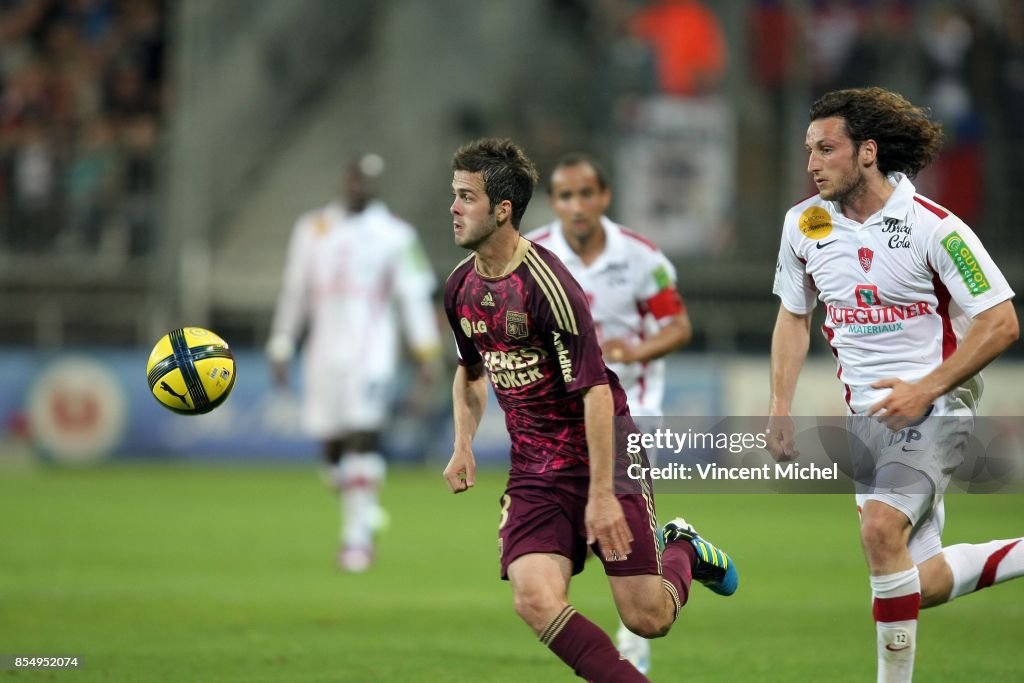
(989,334)
(790,341)
(469,398)
(605,521)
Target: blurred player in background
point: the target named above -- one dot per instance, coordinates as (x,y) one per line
(521,320)
(353,269)
(639,316)
(916,308)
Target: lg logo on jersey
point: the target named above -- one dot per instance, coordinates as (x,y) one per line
(470,328)
(899,233)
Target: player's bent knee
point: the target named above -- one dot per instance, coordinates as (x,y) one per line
(933,596)
(538,606)
(647,624)
(936,582)
(649,627)
(882,533)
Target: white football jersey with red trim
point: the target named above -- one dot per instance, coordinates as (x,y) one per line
(631,288)
(899,290)
(349,278)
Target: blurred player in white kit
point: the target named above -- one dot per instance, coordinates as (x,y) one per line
(353,269)
(630,285)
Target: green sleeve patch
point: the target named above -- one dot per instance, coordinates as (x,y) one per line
(966,263)
(661,278)
(415,259)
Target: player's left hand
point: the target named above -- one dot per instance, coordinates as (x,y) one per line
(618,351)
(606,525)
(906,403)
(460,474)
(779,435)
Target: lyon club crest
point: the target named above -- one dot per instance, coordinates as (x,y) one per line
(516,325)
(865,255)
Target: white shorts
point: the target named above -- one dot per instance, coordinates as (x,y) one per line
(910,469)
(337,404)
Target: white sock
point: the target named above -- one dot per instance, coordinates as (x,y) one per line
(360,476)
(897,601)
(977,566)
(636,649)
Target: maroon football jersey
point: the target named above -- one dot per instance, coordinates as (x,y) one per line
(533,333)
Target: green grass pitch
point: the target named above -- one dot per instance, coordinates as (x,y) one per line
(204,573)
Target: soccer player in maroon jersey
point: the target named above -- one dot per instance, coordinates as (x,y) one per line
(517,313)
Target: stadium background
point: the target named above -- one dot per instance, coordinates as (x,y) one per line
(153,157)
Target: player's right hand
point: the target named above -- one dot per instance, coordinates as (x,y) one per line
(779,435)
(606,525)
(461,471)
(617,351)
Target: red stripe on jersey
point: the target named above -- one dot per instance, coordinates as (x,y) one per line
(829,334)
(639,238)
(948,335)
(543,236)
(903,608)
(665,303)
(938,211)
(988,574)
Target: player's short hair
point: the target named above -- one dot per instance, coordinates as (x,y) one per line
(507,172)
(908,140)
(577,159)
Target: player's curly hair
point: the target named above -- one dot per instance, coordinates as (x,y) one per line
(508,173)
(908,140)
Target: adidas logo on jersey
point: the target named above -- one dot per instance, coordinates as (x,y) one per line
(488,300)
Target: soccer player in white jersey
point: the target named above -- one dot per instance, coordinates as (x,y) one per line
(353,269)
(915,308)
(630,284)
(631,287)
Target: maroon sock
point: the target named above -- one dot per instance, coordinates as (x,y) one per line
(588,649)
(677,571)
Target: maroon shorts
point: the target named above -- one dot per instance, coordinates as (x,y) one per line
(544,513)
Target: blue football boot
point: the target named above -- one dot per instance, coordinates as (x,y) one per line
(713,568)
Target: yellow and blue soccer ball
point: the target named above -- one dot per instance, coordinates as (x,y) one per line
(191,370)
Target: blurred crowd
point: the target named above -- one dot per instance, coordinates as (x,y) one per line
(962,58)
(82,90)
(597,57)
